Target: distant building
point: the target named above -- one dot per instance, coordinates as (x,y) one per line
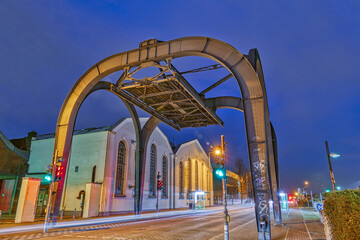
(239,188)
(106,156)
(14,156)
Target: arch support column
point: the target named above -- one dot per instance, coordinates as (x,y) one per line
(145,134)
(258,151)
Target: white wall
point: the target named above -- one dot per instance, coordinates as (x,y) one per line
(88,150)
(163,149)
(109,202)
(101,149)
(125,132)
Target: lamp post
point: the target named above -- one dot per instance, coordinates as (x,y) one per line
(221,172)
(306,183)
(227,217)
(329,156)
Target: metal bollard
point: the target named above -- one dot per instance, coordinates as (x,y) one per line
(61,214)
(74,215)
(0,215)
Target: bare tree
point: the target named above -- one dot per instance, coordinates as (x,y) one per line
(242,169)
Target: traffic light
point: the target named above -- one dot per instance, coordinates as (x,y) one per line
(59,173)
(47,178)
(220,172)
(59,170)
(48,173)
(159,184)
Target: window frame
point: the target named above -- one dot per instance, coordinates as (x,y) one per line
(164,181)
(153,159)
(123,181)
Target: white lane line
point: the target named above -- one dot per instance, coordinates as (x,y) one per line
(288,226)
(305,225)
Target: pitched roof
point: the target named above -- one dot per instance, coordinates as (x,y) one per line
(22,153)
(84,131)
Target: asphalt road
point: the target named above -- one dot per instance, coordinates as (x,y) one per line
(299,224)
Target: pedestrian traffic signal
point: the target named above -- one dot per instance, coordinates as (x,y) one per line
(159,185)
(59,173)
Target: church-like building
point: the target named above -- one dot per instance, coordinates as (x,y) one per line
(105,156)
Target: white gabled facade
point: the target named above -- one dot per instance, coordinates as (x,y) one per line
(107,156)
(125,133)
(193,172)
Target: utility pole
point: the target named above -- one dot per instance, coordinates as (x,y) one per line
(330,167)
(226,215)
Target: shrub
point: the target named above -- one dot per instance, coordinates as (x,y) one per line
(342,209)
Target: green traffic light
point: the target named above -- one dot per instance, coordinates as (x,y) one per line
(327,190)
(48,178)
(219,172)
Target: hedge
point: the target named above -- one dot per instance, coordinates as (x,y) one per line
(342,210)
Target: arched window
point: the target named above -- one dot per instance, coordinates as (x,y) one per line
(152,185)
(202,176)
(188,178)
(120,169)
(93,176)
(196,176)
(164,191)
(181,179)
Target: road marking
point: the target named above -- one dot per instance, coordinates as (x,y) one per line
(305,225)
(288,225)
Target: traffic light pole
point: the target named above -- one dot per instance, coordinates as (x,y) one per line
(157,192)
(226,215)
(51,189)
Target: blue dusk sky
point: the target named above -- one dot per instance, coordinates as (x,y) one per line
(309,50)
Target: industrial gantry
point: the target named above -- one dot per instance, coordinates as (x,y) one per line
(171,99)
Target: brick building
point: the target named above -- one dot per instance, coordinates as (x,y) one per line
(14,156)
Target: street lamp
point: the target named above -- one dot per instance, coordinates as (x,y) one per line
(217,151)
(331,155)
(221,172)
(306,183)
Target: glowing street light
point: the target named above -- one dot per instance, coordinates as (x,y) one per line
(334,155)
(306,183)
(217,151)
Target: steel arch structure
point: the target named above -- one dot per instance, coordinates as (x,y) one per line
(245,69)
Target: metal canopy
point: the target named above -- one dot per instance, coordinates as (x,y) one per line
(168,94)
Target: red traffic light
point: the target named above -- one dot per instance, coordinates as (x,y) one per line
(290,197)
(159,185)
(59,173)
